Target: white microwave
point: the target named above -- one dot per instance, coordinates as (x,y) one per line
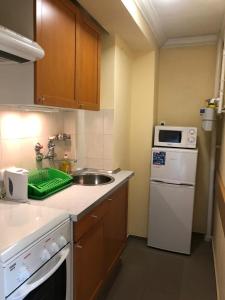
(177,137)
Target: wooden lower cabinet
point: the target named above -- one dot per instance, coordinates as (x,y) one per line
(89,267)
(115,227)
(99,237)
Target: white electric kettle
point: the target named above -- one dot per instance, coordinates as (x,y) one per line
(16,184)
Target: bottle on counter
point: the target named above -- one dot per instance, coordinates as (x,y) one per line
(65,165)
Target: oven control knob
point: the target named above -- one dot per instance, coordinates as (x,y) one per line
(45,255)
(54,248)
(192,131)
(23,274)
(191,140)
(62,241)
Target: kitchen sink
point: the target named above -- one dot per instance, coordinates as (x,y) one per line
(92,179)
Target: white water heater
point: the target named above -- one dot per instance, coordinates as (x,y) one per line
(208,118)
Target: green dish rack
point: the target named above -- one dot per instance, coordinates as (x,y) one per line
(46,182)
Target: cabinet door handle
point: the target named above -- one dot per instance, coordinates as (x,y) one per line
(79,246)
(39,100)
(110,199)
(94,216)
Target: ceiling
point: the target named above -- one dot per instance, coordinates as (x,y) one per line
(183,18)
(173,22)
(116,19)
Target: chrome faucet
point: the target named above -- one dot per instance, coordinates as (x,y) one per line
(51,149)
(39,154)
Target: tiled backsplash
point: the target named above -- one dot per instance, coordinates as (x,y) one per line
(95,139)
(20,131)
(91,137)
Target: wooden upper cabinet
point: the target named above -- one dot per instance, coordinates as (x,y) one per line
(87,63)
(69,74)
(56,33)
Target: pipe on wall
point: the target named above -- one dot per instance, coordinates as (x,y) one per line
(219,91)
(222,78)
(212,165)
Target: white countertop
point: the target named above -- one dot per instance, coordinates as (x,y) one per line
(78,199)
(22,224)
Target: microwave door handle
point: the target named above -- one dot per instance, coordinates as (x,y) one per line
(27,288)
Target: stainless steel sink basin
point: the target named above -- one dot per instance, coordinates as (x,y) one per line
(92,179)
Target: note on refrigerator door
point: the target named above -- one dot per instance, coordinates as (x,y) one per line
(159,158)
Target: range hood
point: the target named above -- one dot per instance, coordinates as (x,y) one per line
(17,48)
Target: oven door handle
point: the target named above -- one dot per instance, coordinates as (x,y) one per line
(27,287)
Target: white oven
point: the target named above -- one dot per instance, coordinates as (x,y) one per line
(43,270)
(177,137)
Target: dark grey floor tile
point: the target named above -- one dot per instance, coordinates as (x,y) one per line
(129,284)
(154,295)
(151,274)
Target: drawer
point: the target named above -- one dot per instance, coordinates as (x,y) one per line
(85,224)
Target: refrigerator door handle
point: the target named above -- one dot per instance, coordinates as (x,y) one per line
(172,183)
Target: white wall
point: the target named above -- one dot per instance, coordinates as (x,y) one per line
(20,131)
(218,231)
(18,16)
(186,80)
(17,81)
(219,253)
(141,131)
(107,87)
(132,94)
(122,104)
(218,240)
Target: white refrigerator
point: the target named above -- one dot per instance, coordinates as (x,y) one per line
(172,190)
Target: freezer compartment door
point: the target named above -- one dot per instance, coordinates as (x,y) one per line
(174,165)
(170,217)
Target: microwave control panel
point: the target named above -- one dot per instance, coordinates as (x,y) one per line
(191,137)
